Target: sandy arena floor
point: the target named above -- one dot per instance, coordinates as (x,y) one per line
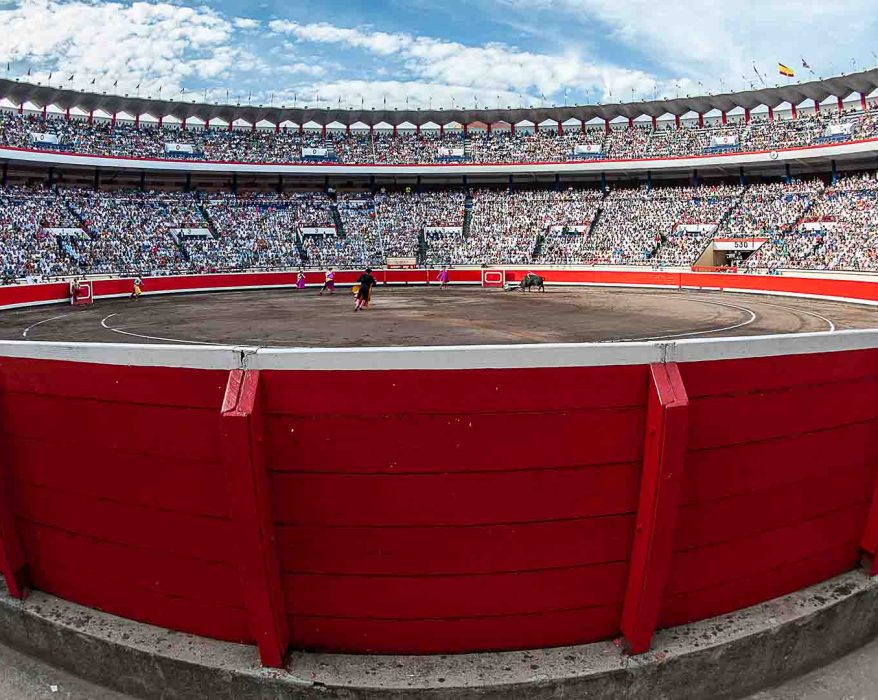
(428,316)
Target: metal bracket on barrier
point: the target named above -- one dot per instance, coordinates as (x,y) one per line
(664,454)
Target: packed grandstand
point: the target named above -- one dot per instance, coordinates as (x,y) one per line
(53,226)
(806,223)
(525,144)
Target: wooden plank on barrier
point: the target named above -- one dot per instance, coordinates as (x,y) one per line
(660,485)
(244,462)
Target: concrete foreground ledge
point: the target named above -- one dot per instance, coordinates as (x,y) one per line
(726,656)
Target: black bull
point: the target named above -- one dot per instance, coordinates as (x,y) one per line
(532,280)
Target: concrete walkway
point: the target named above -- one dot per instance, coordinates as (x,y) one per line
(853,677)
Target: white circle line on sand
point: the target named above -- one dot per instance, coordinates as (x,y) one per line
(39,323)
(689,334)
(156,337)
(801,311)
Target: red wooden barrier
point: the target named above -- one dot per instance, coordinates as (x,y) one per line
(13,562)
(869,543)
(663,459)
(251,516)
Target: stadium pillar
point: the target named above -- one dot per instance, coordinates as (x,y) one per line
(606,126)
(725,118)
(188,186)
(183,125)
(488,128)
(771,114)
(664,457)
(51,176)
(512,129)
(113,120)
(788,176)
(143,181)
(603,182)
(277,128)
(863,101)
(45,109)
(816,107)
(280,184)
(677,120)
(322,130)
(582,126)
(695,178)
(465,182)
(372,184)
(234,183)
(394,131)
(441,130)
(162,119)
(840,104)
(418,129)
(96,181)
(5,177)
(834,172)
(560,129)
(649,180)
(509,181)
(794,111)
(137,122)
(536,128)
(630,123)
(67,114)
(654,123)
(21,109)
(557,184)
(746,115)
(243,456)
(700,121)
(741,179)
(301,129)
(418,185)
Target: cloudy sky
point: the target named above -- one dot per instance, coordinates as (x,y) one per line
(424,53)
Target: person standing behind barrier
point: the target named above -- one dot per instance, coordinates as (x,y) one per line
(364,293)
(300,281)
(138,288)
(329,283)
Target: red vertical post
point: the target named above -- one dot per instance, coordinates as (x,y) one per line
(488,128)
(869,541)
(162,120)
(231,125)
(630,123)
(21,107)
(816,107)
(13,561)
(677,120)
(67,114)
(277,128)
(253,526)
(863,101)
(654,123)
(581,126)
(560,129)
(184,124)
(771,114)
(536,127)
(840,104)
(606,126)
(701,120)
(137,121)
(323,131)
(795,112)
(512,128)
(664,454)
(113,120)
(725,119)
(747,115)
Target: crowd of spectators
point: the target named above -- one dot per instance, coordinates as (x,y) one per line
(526,144)
(807,224)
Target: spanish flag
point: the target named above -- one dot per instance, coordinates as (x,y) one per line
(784,70)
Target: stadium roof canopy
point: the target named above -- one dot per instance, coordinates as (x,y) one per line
(19,93)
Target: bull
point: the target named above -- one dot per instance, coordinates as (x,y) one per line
(532,280)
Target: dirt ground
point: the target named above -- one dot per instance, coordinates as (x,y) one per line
(402,316)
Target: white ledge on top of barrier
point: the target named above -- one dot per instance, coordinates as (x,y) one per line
(443,357)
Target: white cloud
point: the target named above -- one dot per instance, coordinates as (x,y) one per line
(246,23)
(155,44)
(480,70)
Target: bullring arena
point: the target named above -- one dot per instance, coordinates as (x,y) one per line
(655,479)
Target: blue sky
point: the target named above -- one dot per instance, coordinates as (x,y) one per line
(424,53)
